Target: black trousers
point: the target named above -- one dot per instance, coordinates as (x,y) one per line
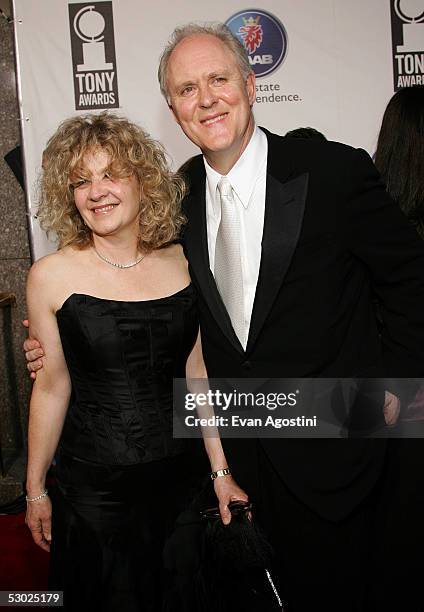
(399,530)
(319,564)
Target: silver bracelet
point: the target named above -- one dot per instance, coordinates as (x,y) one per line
(33,499)
(218,473)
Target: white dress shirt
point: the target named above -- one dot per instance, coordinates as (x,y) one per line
(248,180)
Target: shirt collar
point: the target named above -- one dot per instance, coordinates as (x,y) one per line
(244,174)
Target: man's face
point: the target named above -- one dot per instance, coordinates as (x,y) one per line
(209,97)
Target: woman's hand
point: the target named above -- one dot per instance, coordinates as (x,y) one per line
(39,520)
(227,490)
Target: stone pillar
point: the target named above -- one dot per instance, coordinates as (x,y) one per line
(15,261)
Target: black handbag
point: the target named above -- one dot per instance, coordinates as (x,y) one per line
(221,568)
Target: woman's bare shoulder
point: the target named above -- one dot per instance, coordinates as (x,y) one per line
(45,265)
(175,251)
(54,269)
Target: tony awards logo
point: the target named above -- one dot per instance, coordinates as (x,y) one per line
(408,42)
(89,25)
(93,55)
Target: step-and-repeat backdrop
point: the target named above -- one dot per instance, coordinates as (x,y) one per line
(332,65)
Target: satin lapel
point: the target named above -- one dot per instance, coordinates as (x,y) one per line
(196,249)
(284,208)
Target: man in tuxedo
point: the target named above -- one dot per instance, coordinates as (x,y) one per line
(287,241)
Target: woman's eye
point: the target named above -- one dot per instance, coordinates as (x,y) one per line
(78,183)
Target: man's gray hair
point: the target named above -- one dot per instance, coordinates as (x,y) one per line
(220,31)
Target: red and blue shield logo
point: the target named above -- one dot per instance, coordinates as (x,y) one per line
(264,38)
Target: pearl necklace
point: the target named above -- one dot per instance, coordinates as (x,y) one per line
(118,265)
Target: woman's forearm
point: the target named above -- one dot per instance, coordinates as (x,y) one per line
(47,414)
(198,383)
(210,433)
(215,452)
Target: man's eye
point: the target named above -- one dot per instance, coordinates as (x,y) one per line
(219,80)
(187,90)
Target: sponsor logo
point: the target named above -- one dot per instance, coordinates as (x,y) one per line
(93,55)
(263,37)
(407,42)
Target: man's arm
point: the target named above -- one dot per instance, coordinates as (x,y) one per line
(380,236)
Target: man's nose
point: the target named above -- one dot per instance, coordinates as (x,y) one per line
(207,97)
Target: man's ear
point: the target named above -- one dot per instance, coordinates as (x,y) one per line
(251,87)
(173,113)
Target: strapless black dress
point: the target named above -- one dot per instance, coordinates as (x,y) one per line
(121,477)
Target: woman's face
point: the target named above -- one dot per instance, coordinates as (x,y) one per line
(108,205)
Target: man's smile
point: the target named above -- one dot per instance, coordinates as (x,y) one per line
(214,119)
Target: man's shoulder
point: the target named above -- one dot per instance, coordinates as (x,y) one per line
(193,167)
(308,147)
(324,158)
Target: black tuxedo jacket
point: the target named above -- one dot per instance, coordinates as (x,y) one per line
(332,237)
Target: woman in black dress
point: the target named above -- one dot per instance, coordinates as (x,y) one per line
(115,313)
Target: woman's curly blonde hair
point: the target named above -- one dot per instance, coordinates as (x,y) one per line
(131,153)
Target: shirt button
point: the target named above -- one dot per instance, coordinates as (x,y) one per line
(246,365)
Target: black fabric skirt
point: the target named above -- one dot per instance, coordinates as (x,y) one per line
(109,527)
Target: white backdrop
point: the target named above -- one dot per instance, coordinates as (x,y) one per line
(338,62)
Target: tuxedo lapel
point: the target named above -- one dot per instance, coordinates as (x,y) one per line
(284,208)
(196,247)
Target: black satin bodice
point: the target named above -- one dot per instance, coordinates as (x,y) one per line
(122,357)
